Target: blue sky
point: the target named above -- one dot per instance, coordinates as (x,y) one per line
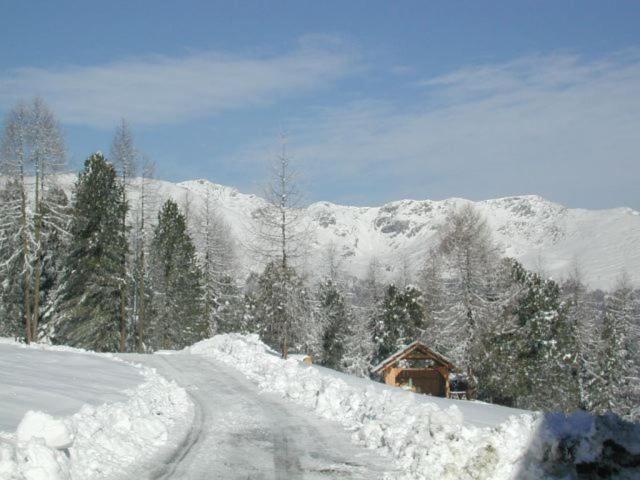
(380,100)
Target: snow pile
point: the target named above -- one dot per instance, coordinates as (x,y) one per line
(106,441)
(431,442)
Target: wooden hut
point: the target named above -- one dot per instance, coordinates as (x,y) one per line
(419,368)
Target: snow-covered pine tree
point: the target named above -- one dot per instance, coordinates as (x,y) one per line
(283,304)
(89,314)
(335,321)
(401,321)
(250,316)
(544,346)
(177,320)
(359,345)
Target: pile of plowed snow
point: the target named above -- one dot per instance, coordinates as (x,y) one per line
(117,439)
(436,440)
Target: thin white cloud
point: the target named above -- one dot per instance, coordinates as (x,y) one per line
(560,125)
(161,90)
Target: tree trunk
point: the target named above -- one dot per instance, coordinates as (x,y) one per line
(26,278)
(122,290)
(141,306)
(123,321)
(38,253)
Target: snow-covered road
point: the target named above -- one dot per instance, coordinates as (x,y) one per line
(241,433)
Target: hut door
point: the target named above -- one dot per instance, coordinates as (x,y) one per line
(424,380)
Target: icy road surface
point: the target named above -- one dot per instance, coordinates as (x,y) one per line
(241,433)
(57,382)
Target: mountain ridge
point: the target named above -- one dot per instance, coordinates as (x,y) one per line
(543,235)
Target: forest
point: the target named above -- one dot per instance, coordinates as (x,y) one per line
(110,268)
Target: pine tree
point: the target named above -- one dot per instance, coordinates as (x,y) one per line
(177,284)
(401,321)
(283,304)
(227,315)
(335,319)
(537,341)
(359,345)
(89,315)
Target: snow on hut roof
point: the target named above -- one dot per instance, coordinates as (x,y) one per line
(417,345)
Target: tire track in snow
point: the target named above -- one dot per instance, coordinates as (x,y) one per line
(241,433)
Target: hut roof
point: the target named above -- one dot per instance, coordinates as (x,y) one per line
(406,351)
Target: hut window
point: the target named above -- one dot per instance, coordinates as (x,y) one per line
(416,363)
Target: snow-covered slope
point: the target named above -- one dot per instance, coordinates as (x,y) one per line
(543,235)
(67,414)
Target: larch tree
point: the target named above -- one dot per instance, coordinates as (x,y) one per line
(470,256)
(32,144)
(617,387)
(281,239)
(12,318)
(125,158)
(145,207)
(217,258)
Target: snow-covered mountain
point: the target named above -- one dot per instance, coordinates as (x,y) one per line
(541,234)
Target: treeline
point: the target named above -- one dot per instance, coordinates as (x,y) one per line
(107,269)
(111,269)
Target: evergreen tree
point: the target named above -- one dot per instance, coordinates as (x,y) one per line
(228,312)
(335,319)
(531,347)
(89,315)
(177,284)
(359,345)
(283,305)
(401,321)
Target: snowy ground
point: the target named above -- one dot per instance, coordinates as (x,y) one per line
(68,414)
(244,413)
(58,382)
(241,433)
(429,438)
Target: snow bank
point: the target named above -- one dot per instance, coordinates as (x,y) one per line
(431,442)
(111,440)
